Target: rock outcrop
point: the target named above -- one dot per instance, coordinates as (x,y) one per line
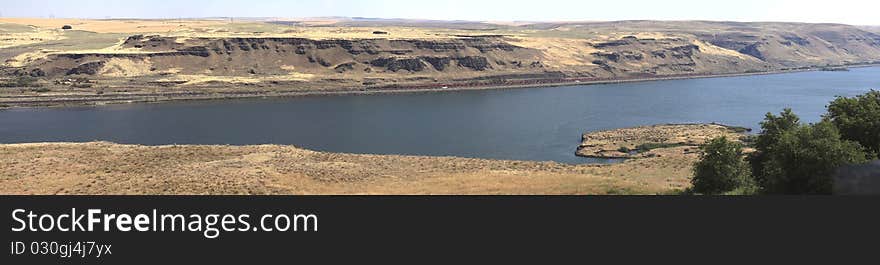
(237,56)
(654,49)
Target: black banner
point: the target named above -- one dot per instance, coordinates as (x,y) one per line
(417,229)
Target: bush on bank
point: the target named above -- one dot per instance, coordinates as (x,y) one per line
(858,119)
(721,168)
(791,157)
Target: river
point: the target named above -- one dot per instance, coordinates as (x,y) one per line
(543,124)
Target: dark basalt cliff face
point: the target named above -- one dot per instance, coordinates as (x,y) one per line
(632,56)
(90,68)
(674,48)
(237,56)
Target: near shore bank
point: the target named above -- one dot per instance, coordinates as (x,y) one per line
(108,168)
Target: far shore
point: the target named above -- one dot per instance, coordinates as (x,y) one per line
(10,101)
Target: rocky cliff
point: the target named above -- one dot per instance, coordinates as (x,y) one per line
(606,50)
(279,56)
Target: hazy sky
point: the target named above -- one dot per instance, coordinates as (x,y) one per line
(862,12)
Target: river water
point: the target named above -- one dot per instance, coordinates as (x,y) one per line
(543,124)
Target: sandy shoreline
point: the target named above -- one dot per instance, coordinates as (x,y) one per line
(39,101)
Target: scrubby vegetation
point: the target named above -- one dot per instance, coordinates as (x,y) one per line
(21,81)
(645,147)
(858,119)
(721,168)
(791,157)
(803,160)
(650,146)
(739,129)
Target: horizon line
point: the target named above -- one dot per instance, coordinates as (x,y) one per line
(425,19)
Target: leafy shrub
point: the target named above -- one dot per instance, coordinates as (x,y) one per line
(858,119)
(803,160)
(774,126)
(748,140)
(793,158)
(721,168)
(772,129)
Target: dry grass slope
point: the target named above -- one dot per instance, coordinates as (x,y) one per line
(107,168)
(626,142)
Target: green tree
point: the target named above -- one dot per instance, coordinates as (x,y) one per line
(721,168)
(772,128)
(858,119)
(802,160)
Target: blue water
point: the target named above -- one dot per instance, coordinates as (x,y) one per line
(522,124)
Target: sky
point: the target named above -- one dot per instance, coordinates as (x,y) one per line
(857,12)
